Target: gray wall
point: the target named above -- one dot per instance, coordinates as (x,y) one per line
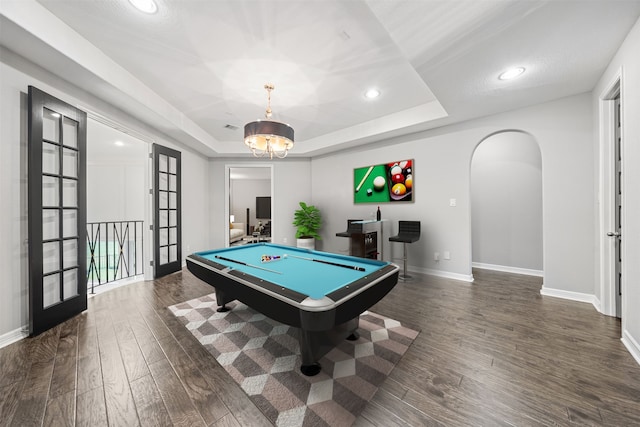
(562,128)
(506,203)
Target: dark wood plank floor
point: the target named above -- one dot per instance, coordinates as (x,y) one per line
(493,352)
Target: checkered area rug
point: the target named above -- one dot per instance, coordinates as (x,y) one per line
(263,357)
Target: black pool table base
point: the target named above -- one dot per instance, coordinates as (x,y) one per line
(311,370)
(314,368)
(315,344)
(321,324)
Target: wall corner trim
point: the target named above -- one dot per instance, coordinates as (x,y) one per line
(13,336)
(445,274)
(631,345)
(508,269)
(574,296)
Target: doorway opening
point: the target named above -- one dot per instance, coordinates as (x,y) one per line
(612,215)
(249,204)
(506,204)
(118,206)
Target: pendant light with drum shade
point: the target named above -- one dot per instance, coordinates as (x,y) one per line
(266,137)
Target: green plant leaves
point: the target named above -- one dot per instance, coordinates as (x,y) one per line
(308,220)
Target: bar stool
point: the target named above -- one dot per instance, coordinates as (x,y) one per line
(408,232)
(354,226)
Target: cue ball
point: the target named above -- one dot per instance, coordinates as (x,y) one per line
(378,183)
(396,170)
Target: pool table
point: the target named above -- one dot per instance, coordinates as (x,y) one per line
(319,293)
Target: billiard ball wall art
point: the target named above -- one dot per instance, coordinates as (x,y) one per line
(388,182)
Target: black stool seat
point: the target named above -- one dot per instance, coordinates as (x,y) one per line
(405,238)
(408,232)
(352,228)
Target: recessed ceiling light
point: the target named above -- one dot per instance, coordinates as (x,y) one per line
(372,93)
(511,73)
(119,143)
(146,6)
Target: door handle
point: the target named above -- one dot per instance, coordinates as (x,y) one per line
(613,234)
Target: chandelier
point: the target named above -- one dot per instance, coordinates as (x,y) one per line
(266,137)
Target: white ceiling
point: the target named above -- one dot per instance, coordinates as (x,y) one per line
(196,66)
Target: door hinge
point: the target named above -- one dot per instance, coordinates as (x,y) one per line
(151,191)
(151,227)
(151,263)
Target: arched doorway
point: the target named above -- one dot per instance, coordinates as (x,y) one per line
(506,204)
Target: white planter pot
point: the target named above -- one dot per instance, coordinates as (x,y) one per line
(306,243)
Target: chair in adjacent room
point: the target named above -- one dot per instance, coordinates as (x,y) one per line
(408,232)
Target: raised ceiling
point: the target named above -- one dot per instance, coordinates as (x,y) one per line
(196,69)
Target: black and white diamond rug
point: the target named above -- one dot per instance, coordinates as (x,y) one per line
(263,357)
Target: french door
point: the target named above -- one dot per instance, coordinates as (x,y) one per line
(167,230)
(57,211)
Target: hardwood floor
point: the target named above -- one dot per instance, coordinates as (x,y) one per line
(493,352)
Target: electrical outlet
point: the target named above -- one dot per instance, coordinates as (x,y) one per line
(284,240)
(436,256)
(446,255)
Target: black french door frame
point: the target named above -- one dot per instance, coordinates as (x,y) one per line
(167,211)
(57,212)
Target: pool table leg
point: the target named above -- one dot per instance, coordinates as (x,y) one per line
(310,370)
(315,344)
(222,301)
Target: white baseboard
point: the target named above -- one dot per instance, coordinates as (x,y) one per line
(574,296)
(507,269)
(444,274)
(13,336)
(632,345)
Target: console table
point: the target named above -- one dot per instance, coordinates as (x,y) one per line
(363,243)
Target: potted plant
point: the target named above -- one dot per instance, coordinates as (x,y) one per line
(308,221)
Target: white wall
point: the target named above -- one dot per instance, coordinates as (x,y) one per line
(116,182)
(506,203)
(627,60)
(115,192)
(562,128)
(17,75)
